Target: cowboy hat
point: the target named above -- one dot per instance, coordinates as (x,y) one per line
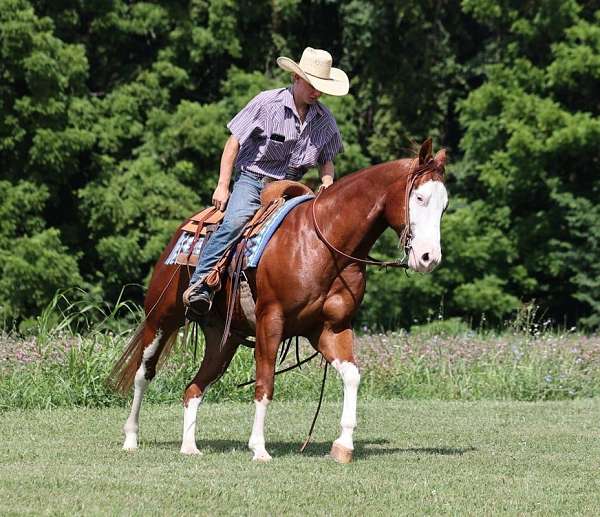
(315,68)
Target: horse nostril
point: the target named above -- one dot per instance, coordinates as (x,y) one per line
(425,257)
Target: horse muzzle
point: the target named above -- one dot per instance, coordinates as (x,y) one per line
(424,259)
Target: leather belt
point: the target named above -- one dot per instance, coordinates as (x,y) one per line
(260,177)
(293,173)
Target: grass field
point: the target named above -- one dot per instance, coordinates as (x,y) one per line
(65,369)
(412,457)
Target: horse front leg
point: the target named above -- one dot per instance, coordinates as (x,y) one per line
(337,348)
(269,330)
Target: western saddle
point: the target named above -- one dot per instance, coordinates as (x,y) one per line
(204,224)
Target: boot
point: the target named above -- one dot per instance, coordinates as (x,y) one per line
(198,297)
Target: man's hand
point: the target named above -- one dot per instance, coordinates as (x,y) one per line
(326,181)
(220,197)
(221,194)
(327,173)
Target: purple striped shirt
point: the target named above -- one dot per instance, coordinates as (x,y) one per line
(273,140)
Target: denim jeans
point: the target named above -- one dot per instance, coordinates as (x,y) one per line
(243,204)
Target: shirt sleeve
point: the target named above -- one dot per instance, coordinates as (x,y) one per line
(331,148)
(248,121)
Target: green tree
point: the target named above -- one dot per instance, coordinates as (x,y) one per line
(34,263)
(530,150)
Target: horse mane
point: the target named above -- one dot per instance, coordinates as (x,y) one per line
(430,166)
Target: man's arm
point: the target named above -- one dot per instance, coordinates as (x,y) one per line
(327,173)
(230,152)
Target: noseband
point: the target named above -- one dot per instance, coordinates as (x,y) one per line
(405,237)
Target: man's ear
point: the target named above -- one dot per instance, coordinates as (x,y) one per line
(425,152)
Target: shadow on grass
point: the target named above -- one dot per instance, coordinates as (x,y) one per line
(362,448)
(441,451)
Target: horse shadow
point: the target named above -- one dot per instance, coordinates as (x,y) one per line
(362,448)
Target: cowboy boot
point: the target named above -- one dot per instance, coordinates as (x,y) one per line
(198,297)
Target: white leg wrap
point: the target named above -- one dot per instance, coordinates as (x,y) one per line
(131,426)
(351,378)
(257,438)
(188,443)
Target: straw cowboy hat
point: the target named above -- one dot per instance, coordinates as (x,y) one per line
(315,68)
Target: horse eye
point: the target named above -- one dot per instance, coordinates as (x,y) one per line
(420,198)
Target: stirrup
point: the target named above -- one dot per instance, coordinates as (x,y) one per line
(188,292)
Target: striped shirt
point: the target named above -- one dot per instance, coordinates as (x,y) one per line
(273,140)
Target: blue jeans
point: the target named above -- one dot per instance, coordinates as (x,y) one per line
(243,204)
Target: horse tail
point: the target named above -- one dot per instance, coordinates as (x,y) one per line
(158,331)
(123,372)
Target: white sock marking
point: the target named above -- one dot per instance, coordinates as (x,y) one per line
(140,384)
(351,378)
(188,443)
(256,443)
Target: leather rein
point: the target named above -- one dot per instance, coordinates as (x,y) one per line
(405,237)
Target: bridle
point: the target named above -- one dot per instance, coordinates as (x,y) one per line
(405,237)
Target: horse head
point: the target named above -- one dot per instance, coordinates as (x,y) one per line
(414,207)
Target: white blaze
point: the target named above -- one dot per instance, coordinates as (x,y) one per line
(426,206)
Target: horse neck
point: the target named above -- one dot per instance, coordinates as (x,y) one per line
(353,210)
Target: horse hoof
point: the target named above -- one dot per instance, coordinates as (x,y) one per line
(130,444)
(263,457)
(341,454)
(190,451)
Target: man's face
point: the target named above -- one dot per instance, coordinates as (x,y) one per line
(304,92)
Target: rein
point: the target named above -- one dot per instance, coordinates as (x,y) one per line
(405,237)
(368,261)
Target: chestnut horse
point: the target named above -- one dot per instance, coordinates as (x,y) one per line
(302,287)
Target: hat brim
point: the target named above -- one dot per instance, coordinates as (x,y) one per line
(337,85)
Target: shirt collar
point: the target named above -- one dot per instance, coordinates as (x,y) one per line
(313,109)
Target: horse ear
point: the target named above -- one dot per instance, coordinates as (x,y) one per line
(425,151)
(440,159)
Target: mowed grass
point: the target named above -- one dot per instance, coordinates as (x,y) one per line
(412,457)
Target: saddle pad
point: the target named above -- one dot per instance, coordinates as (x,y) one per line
(182,246)
(256,246)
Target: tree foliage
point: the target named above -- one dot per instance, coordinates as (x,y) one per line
(113,119)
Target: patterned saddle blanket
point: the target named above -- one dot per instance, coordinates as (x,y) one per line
(257,242)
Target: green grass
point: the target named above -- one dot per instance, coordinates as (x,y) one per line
(63,357)
(412,457)
(64,369)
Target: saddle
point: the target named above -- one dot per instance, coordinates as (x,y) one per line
(285,189)
(204,223)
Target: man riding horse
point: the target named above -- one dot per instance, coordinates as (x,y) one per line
(279,135)
(311,278)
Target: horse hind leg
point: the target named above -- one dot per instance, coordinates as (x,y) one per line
(152,342)
(214,364)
